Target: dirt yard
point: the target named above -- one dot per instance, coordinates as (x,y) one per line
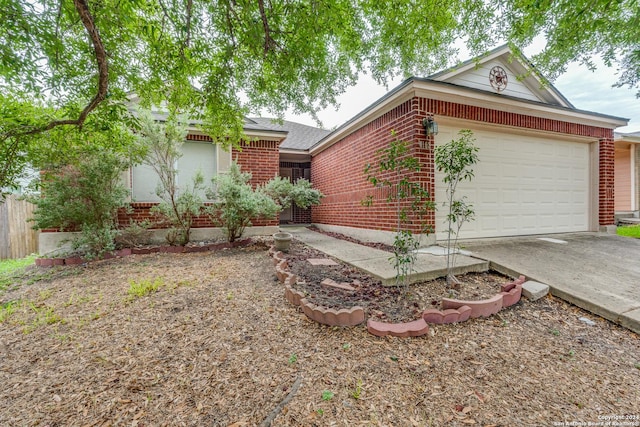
(217,345)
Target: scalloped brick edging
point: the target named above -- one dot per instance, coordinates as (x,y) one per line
(461,314)
(415,328)
(328,316)
(49,262)
(511,291)
(294,297)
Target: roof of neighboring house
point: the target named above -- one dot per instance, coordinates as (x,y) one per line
(299,137)
(627,137)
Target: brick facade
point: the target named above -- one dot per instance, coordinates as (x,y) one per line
(606,179)
(338,171)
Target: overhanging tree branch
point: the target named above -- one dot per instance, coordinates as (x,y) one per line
(100,55)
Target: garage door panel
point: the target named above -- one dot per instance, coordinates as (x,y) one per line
(522,185)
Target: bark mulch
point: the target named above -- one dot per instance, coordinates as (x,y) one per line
(218,345)
(382,303)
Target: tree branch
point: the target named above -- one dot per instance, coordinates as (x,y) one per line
(100,55)
(269,42)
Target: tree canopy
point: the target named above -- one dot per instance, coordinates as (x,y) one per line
(72,64)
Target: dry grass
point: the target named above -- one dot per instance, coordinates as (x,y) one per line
(218,345)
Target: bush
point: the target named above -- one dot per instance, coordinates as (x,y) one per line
(84,196)
(237,202)
(285,193)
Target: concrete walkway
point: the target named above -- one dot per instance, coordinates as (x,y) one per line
(596,271)
(376,262)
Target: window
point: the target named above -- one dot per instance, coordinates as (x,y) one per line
(204,156)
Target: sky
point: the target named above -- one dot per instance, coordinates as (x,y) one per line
(586,90)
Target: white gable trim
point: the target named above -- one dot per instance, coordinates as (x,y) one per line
(519,65)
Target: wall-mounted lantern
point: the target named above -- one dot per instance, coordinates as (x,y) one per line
(430,126)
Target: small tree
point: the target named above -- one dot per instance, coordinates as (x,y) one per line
(86,196)
(285,193)
(179,205)
(394,169)
(456,159)
(237,203)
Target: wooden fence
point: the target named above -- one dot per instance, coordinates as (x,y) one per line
(17,238)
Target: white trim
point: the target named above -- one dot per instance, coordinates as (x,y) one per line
(464,96)
(368,115)
(266,135)
(632,155)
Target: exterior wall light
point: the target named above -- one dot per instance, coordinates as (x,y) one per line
(430,126)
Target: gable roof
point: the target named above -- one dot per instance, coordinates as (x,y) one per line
(299,137)
(523,79)
(468,84)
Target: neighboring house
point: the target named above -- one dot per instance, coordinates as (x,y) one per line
(627,174)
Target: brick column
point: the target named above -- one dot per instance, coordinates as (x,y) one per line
(606,202)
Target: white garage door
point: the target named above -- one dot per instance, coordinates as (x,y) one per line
(523,185)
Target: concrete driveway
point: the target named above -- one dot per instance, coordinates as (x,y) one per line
(598,272)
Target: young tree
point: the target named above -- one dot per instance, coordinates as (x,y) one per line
(456,160)
(409,198)
(180,204)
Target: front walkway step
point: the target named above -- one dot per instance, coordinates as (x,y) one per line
(376,262)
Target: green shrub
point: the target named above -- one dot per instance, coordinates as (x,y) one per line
(83,196)
(237,203)
(285,193)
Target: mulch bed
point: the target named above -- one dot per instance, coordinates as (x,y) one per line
(218,345)
(383,303)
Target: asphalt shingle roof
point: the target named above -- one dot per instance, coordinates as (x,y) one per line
(299,137)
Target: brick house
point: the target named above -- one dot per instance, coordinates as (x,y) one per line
(627,175)
(545,166)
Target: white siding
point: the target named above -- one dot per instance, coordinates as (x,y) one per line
(478,78)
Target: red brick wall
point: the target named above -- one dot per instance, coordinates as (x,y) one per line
(606,195)
(338,172)
(506,118)
(261,158)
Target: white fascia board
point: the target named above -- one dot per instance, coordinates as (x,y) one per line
(633,139)
(433,90)
(266,135)
(470,65)
(450,93)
